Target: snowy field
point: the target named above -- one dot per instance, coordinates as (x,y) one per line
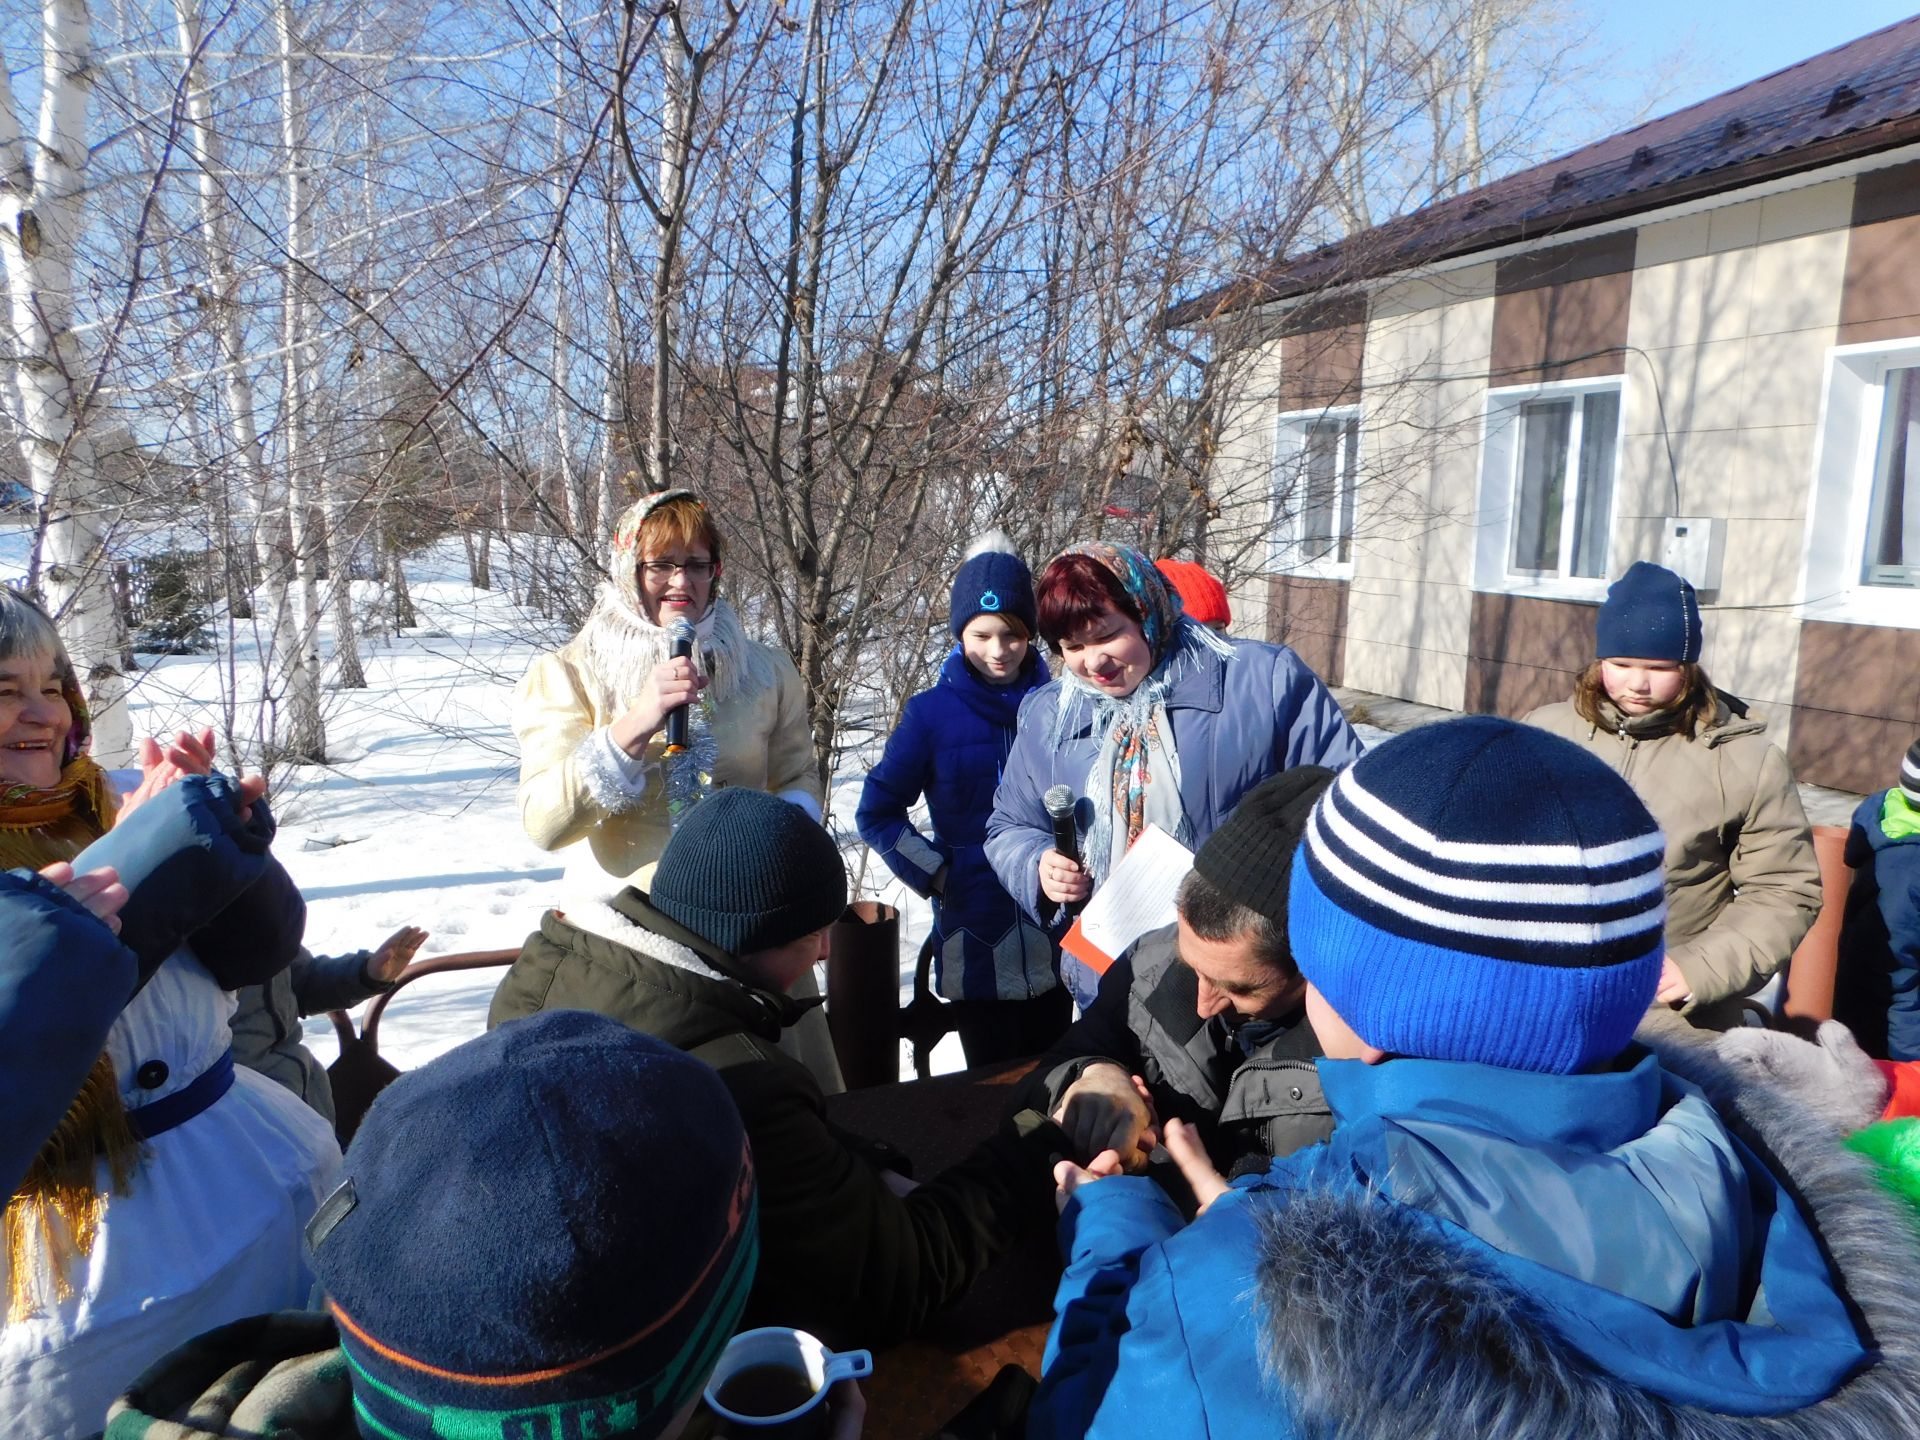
(414,821)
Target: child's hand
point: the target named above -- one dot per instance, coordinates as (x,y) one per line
(396,952)
(1183,1143)
(1069,1177)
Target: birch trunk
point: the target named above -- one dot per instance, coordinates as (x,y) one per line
(40,223)
(301,739)
(307,546)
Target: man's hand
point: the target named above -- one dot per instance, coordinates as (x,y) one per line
(1062,880)
(99,890)
(188,754)
(1673,988)
(1108,1109)
(396,952)
(1183,1143)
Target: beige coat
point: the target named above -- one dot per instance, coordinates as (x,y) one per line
(1743,885)
(762,734)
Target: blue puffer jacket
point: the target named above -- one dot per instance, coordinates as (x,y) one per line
(1877,991)
(1498,1254)
(951,745)
(194,871)
(1236,720)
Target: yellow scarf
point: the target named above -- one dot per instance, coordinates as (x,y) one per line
(59,1201)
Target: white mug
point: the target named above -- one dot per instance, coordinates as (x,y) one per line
(794,1350)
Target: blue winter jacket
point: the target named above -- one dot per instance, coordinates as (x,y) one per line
(1236,720)
(195,874)
(1498,1254)
(951,745)
(1877,990)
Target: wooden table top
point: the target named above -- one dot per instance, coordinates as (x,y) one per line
(919,1385)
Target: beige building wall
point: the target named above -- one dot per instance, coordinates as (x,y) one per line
(1242,477)
(1424,387)
(1732,314)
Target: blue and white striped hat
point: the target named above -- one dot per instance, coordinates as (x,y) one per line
(1484,891)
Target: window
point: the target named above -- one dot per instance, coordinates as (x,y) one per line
(1893,511)
(1316,466)
(1547,474)
(1563,487)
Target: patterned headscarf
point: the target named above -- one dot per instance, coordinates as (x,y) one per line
(1135,778)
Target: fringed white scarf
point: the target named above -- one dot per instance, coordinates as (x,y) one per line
(619,647)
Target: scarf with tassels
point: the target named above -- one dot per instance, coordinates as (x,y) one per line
(54,1217)
(1135,778)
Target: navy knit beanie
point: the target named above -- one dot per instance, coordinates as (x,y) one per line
(747,871)
(993,580)
(1650,614)
(1484,891)
(550,1230)
(1909,774)
(1249,859)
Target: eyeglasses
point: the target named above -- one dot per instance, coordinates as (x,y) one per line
(667,569)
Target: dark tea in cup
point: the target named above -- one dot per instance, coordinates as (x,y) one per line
(773,1384)
(766,1390)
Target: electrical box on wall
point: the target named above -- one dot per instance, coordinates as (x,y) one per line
(1693,549)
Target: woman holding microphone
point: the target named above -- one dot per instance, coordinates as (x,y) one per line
(1155,720)
(599,781)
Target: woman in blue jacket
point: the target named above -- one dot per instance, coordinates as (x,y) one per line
(951,745)
(1156,721)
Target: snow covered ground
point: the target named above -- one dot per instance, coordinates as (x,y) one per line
(414,821)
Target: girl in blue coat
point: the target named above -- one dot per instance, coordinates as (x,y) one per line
(951,745)
(1877,991)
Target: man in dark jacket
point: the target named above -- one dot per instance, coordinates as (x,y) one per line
(739,908)
(1206,1012)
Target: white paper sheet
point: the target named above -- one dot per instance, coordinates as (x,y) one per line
(1138,896)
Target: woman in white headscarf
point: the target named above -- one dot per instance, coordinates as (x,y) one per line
(596,780)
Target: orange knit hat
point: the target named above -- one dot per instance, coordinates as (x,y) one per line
(1203,597)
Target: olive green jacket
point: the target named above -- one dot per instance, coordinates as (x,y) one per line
(841,1255)
(1743,884)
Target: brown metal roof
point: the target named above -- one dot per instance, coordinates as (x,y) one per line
(1849,101)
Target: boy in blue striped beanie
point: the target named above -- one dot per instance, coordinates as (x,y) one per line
(1524,1223)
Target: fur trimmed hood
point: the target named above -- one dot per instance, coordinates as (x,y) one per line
(1379,1328)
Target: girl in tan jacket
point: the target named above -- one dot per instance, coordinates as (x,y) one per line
(596,782)
(1743,885)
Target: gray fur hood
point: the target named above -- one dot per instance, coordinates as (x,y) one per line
(1378,1329)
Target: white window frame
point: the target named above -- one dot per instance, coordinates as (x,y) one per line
(1500,459)
(1286,524)
(1852,408)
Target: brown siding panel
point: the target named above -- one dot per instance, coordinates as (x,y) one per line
(1570,331)
(1875,669)
(1887,195)
(1523,653)
(1321,368)
(1310,616)
(1880,295)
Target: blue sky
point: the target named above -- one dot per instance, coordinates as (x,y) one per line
(1723,43)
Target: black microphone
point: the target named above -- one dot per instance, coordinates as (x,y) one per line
(1059,803)
(679,647)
